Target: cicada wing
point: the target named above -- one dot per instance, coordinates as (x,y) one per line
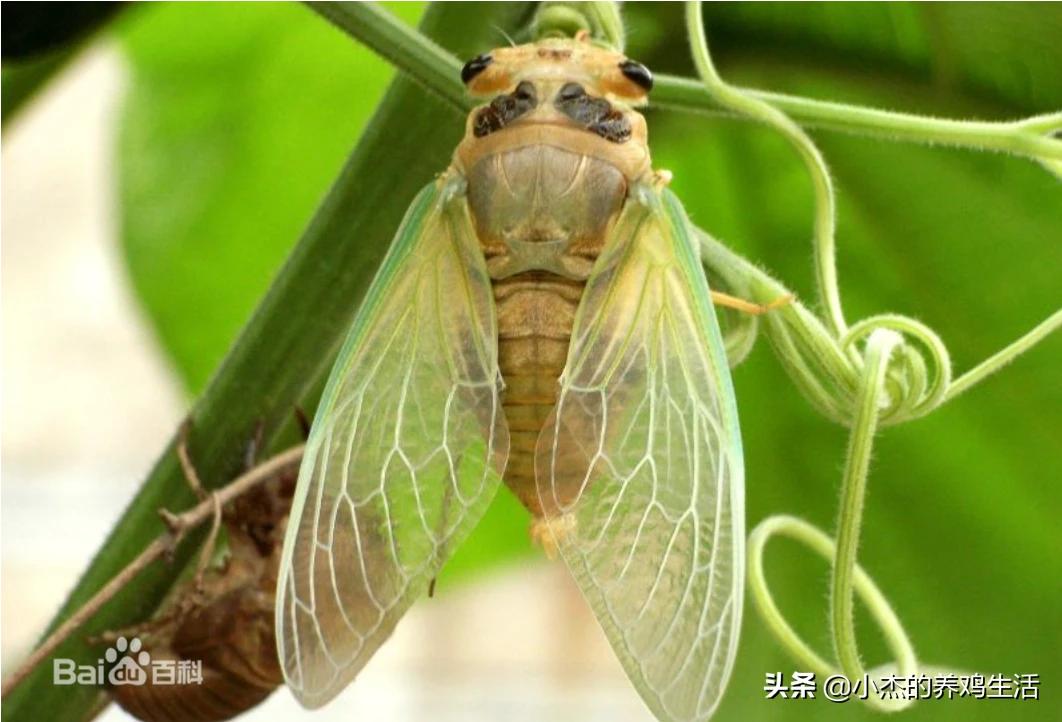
(639,471)
(406,451)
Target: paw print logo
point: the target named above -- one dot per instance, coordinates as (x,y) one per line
(132,667)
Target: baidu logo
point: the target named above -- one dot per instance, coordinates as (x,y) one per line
(133,667)
(127,663)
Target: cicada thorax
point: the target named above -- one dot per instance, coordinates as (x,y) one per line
(549,163)
(226,625)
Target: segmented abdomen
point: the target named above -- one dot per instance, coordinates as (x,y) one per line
(535,316)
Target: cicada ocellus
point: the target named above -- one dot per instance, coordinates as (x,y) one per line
(541,319)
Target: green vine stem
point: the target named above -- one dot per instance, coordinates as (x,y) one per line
(815,361)
(1031,138)
(439,71)
(881,344)
(1000,359)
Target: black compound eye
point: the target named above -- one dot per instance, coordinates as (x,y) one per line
(571,91)
(474,67)
(637,74)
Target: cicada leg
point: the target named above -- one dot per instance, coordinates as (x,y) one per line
(740,304)
(191,476)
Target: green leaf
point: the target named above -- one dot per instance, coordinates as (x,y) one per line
(237,118)
(987,51)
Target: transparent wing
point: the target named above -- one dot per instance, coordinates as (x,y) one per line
(640,472)
(405,453)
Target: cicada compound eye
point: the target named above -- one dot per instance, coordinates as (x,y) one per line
(475,66)
(637,74)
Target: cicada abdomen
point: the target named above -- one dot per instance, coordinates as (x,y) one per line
(223,625)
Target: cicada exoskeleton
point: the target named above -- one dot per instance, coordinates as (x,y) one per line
(541,320)
(222,620)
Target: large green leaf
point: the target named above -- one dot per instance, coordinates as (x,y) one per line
(236,120)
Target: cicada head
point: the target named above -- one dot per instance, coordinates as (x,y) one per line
(559,82)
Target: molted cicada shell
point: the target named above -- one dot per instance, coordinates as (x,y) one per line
(541,321)
(222,622)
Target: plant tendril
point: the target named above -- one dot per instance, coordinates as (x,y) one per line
(744,104)
(882,370)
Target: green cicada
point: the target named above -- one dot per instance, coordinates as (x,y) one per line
(541,319)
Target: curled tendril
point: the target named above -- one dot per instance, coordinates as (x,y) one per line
(880,610)
(914,387)
(882,370)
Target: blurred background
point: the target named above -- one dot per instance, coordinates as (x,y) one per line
(153,187)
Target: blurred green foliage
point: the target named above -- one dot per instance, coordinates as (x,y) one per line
(237,120)
(239,116)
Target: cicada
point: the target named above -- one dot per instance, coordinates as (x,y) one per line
(222,620)
(541,320)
